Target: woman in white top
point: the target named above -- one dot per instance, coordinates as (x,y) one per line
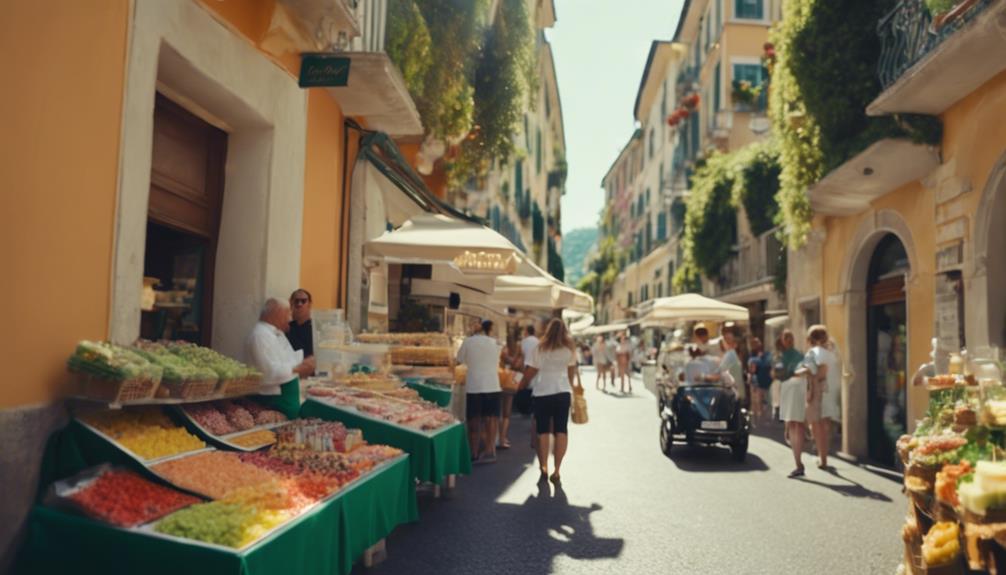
(554,364)
(624,353)
(481,354)
(821,367)
(601,361)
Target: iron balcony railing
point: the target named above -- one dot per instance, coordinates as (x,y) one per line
(755,262)
(907,34)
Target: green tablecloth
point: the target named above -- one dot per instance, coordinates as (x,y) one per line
(434,455)
(326,540)
(438,394)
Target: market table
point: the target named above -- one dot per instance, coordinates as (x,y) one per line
(434,455)
(437,394)
(324,540)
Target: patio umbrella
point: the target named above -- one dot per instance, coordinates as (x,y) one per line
(667,311)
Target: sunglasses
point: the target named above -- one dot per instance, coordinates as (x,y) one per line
(300,300)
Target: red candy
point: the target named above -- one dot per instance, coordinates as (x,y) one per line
(125,499)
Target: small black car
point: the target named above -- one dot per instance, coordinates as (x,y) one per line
(705,414)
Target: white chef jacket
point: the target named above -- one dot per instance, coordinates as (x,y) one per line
(270,352)
(481,354)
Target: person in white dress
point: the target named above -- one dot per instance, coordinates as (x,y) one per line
(551,368)
(824,374)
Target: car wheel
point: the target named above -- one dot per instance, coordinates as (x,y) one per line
(666,436)
(739,449)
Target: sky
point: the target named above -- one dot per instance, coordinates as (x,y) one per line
(600,49)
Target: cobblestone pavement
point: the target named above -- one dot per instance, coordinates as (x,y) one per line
(624,507)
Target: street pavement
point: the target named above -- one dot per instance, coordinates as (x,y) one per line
(623,507)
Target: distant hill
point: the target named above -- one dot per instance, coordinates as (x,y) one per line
(575,246)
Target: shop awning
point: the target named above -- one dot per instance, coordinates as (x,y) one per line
(580,324)
(532,288)
(667,311)
(606,328)
(437,238)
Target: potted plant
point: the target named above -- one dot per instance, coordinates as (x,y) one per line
(745,93)
(691,101)
(945,12)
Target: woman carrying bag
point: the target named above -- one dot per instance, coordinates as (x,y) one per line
(553,361)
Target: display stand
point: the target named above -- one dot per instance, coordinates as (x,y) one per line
(437,394)
(434,455)
(326,539)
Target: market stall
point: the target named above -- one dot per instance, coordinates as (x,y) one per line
(436,442)
(431,391)
(217,486)
(955,468)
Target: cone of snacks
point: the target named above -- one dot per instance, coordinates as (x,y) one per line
(955,475)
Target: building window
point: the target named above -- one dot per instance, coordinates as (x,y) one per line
(661,226)
(660,290)
(717,89)
(753,74)
(651,143)
(749,9)
(537,151)
(719,17)
(647,203)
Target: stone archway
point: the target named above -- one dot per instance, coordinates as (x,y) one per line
(855,272)
(985,318)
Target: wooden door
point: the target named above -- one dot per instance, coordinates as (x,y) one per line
(186,187)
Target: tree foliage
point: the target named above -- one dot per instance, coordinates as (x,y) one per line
(825,76)
(711,218)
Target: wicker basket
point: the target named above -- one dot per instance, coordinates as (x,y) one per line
(113,390)
(242,386)
(194,389)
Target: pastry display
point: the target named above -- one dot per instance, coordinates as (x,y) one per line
(319,435)
(253,439)
(214,474)
(417,414)
(421,355)
(406,339)
(941,545)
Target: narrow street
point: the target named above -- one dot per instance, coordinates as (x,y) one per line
(624,507)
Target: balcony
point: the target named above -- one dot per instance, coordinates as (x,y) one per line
(883,167)
(751,269)
(376,90)
(925,68)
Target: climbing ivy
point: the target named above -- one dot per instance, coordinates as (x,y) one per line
(824,77)
(409,43)
(711,218)
(757,183)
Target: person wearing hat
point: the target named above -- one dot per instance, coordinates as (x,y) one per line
(481,354)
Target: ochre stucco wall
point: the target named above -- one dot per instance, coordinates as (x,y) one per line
(58,171)
(915,206)
(321,246)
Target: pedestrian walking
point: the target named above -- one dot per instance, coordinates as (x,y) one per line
(760,375)
(792,398)
(481,354)
(623,353)
(601,362)
(823,372)
(612,347)
(552,368)
(513,360)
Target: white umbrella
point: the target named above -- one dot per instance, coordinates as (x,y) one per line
(532,288)
(667,311)
(578,326)
(430,238)
(606,328)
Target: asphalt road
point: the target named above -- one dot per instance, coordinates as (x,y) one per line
(624,507)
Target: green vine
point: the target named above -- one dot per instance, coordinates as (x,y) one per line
(757,183)
(819,95)
(409,43)
(711,217)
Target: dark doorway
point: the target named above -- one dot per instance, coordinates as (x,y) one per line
(183,224)
(887,348)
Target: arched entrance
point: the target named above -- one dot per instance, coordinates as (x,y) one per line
(986,313)
(887,349)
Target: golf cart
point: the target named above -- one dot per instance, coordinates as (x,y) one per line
(698,412)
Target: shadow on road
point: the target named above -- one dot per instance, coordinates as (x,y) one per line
(849,489)
(700,458)
(478,530)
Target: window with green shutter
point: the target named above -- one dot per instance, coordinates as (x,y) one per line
(537,151)
(749,9)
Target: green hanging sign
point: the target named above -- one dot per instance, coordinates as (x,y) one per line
(323,70)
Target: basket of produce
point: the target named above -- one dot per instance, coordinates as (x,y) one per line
(181,379)
(107,372)
(116,496)
(235,378)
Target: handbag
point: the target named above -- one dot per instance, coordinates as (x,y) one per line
(579,406)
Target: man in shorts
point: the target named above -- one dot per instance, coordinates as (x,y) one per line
(481,354)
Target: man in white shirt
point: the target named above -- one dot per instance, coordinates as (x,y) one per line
(481,354)
(270,352)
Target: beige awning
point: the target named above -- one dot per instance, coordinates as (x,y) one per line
(668,311)
(532,288)
(434,238)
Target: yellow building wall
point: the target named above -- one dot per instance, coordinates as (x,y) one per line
(321,244)
(974,137)
(252,19)
(915,204)
(61,116)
